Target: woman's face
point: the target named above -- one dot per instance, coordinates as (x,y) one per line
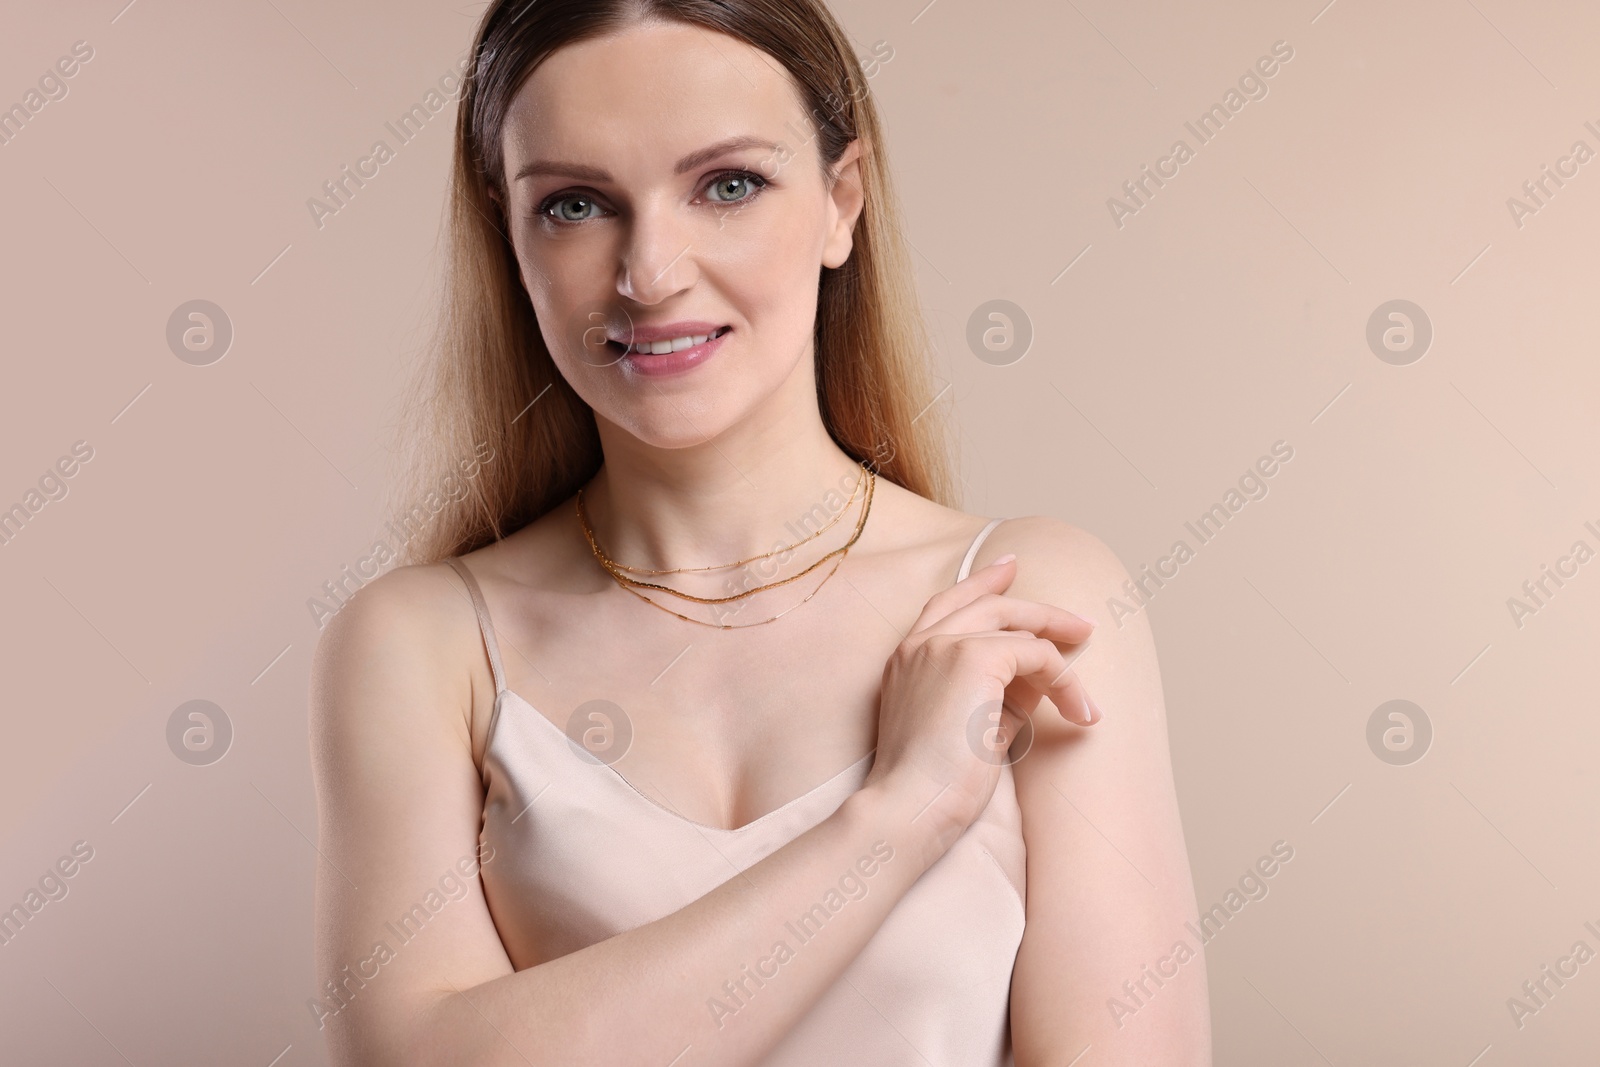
(664,183)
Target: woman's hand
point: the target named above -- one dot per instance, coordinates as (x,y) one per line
(947,713)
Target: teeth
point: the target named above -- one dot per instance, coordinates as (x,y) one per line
(677,344)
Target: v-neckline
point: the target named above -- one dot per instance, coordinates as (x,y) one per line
(622,779)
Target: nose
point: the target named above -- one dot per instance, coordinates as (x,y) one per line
(658,258)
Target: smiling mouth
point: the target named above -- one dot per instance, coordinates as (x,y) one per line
(661,348)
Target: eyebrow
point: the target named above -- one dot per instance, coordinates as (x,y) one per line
(692,161)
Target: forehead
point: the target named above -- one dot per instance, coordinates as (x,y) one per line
(653,89)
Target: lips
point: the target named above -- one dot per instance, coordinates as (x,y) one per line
(662,340)
(680,358)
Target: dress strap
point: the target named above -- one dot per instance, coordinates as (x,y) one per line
(972,552)
(484,624)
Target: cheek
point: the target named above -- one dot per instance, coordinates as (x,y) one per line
(768,275)
(572,289)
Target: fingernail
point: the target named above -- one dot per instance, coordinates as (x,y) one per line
(1095,715)
(1007,558)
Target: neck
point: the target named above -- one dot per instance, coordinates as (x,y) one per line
(747,492)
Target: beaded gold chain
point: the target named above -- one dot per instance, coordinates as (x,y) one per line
(860,480)
(630,583)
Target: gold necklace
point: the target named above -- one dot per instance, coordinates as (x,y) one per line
(739,625)
(860,480)
(628,583)
(624,579)
(613,567)
(604,562)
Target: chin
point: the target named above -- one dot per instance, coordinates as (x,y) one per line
(682,411)
(681,421)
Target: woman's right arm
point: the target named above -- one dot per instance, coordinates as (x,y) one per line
(399,806)
(400,803)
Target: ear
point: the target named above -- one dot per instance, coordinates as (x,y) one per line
(847,198)
(497,206)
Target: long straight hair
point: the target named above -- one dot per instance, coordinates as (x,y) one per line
(488,385)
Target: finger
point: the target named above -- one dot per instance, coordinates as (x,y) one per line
(1056,679)
(994,578)
(996,611)
(1073,686)
(1073,696)
(1040,663)
(1070,699)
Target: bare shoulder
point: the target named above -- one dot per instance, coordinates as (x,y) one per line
(1069,567)
(404,611)
(1065,565)
(907,522)
(1048,541)
(543,555)
(1054,553)
(410,630)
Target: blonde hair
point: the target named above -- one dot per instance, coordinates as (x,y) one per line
(488,379)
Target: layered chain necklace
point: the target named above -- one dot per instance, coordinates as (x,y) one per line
(620,572)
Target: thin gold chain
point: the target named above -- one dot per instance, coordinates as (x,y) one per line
(739,625)
(872,482)
(787,548)
(628,583)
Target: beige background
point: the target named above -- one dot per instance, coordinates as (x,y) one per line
(1228,314)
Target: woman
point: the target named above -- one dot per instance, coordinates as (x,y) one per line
(568,762)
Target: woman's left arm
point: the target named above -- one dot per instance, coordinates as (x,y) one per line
(1107,962)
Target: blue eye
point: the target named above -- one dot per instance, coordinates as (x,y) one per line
(570,209)
(745,186)
(556,202)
